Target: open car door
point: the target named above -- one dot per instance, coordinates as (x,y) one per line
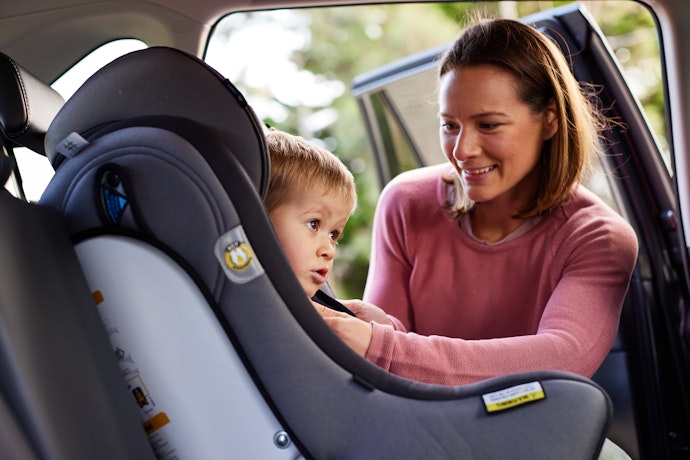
(647,368)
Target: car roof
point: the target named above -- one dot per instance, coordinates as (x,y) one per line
(49,37)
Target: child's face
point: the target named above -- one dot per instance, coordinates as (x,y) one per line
(308,226)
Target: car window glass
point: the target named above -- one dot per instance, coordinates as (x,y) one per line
(296,68)
(73,78)
(299,80)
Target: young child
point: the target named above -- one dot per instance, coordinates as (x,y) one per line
(311,195)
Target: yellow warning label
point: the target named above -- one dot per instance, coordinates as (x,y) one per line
(157,421)
(513,396)
(97,297)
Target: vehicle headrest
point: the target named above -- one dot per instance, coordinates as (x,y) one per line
(168,82)
(27,105)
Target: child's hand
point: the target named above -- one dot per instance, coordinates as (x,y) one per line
(367,312)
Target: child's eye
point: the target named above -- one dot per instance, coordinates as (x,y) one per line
(313,224)
(335,235)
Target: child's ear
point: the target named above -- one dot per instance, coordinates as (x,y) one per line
(550,120)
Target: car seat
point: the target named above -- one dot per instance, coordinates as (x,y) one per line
(61,395)
(161,169)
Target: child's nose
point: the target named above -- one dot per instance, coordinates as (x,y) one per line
(327,249)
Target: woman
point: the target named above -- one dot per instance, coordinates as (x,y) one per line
(500,262)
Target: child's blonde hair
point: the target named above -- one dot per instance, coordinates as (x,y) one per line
(299,164)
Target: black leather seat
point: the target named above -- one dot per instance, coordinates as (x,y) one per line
(61,395)
(27,105)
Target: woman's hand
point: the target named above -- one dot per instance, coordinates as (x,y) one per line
(367,312)
(353,331)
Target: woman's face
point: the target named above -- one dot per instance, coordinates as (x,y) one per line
(492,138)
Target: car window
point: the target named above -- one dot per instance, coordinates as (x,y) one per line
(301,80)
(74,77)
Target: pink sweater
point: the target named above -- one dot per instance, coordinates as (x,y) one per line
(549,299)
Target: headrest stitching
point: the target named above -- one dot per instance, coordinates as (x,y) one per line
(25,97)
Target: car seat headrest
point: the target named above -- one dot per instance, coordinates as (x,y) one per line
(169,82)
(27,105)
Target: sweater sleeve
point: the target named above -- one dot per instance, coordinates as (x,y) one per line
(592,265)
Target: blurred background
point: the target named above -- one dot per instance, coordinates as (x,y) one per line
(296,68)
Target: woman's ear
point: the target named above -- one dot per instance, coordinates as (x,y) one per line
(550,120)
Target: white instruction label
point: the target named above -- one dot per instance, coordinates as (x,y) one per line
(513,396)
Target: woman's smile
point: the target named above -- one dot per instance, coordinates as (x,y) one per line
(477,173)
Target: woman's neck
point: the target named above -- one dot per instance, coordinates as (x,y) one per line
(492,226)
(495,219)
(492,222)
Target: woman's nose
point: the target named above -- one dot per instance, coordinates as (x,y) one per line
(465,146)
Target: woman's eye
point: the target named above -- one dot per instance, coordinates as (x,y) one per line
(448,126)
(488,126)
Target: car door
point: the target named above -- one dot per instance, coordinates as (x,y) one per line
(646,372)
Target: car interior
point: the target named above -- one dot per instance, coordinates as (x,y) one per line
(259,316)
(149,311)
